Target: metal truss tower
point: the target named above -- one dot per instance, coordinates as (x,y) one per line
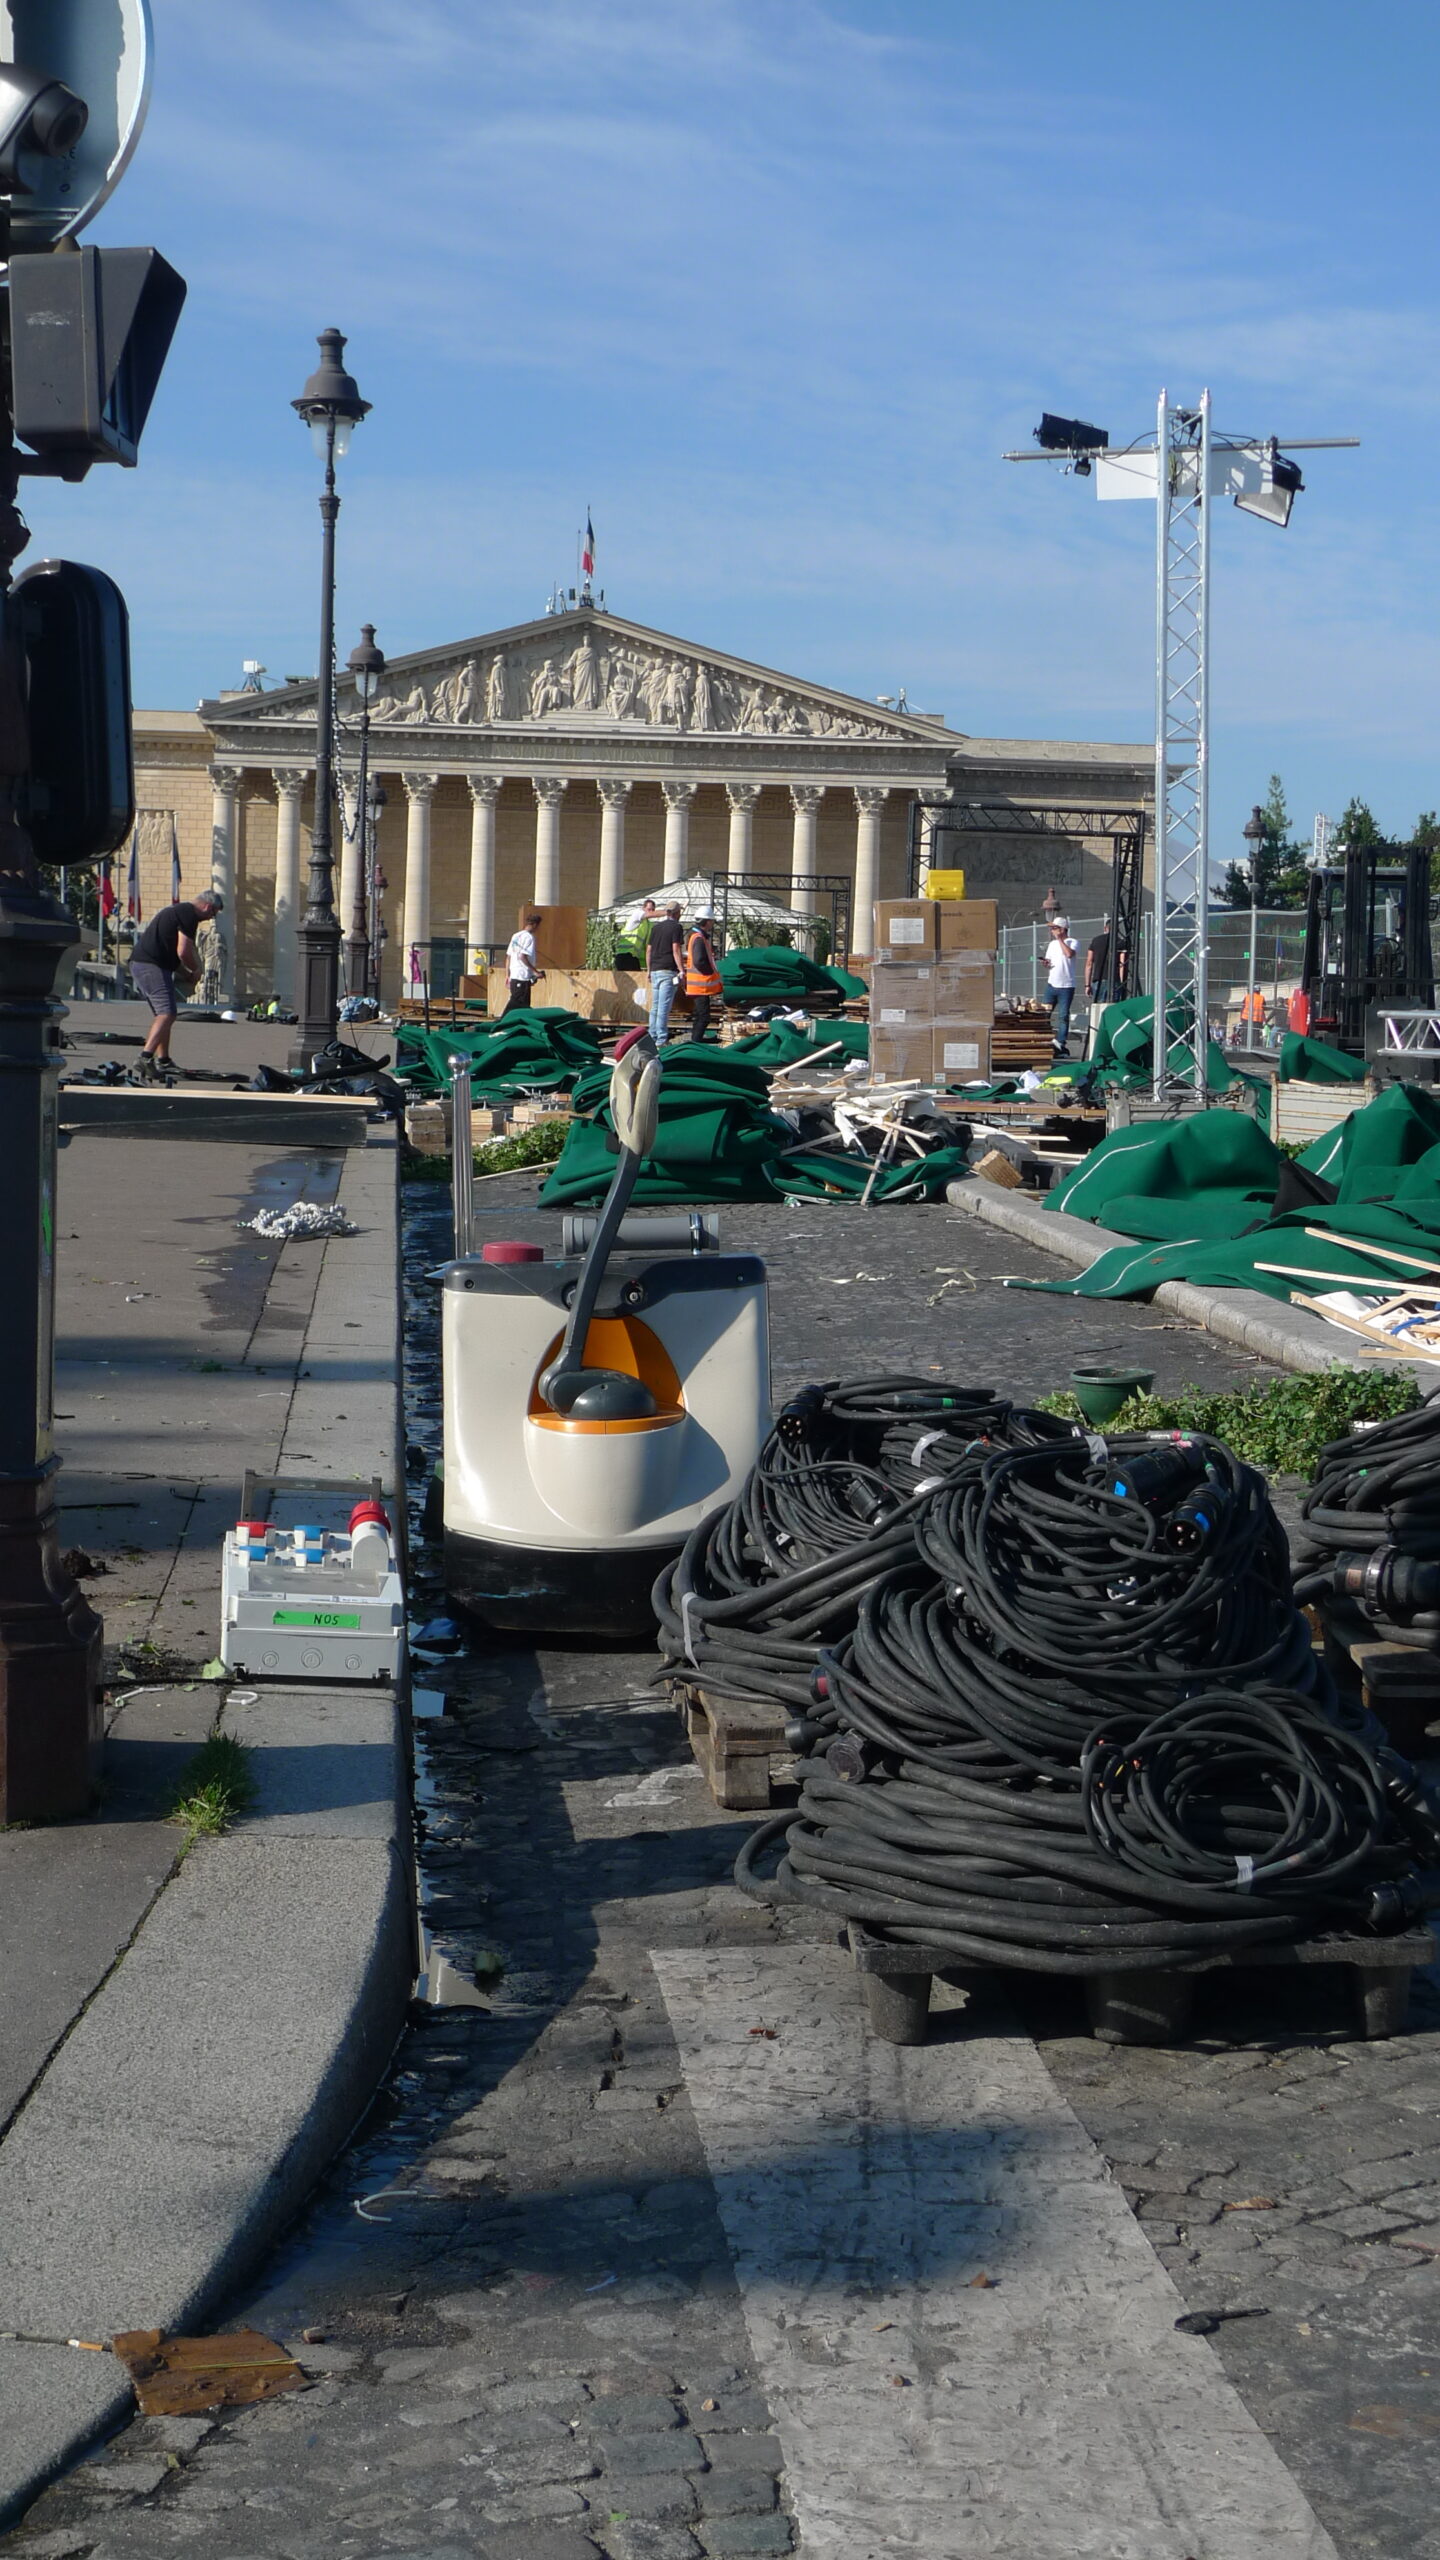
(1182,746)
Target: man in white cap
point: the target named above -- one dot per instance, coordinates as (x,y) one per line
(1060,982)
(164,952)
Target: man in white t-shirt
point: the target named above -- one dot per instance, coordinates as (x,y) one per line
(1060,982)
(522,959)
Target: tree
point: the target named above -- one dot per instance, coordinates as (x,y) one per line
(1280,868)
(1357,824)
(1426,831)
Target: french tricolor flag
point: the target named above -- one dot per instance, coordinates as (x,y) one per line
(587,556)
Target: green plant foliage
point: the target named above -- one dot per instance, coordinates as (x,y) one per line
(603,941)
(540,1145)
(213,1789)
(1280,1426)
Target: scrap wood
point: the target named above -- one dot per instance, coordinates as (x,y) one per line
(1383,1252)
(177,2377)
(1394,1345)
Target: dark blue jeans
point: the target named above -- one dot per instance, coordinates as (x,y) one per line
(1061,1000)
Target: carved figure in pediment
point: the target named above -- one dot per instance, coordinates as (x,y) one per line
(677,693)
(585,673)
(547,691)
(702,700)
(624,686)
(653,684)
(497,688)
(752,710)
(452,696)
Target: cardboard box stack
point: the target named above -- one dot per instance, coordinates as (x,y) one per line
(932,991)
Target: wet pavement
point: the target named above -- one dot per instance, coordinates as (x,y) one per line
(543,2322)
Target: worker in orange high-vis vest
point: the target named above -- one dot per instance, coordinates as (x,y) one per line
(702,978)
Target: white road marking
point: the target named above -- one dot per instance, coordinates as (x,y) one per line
(1054,2415)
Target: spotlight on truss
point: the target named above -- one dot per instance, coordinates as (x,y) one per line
(1280,484)
(1068,435)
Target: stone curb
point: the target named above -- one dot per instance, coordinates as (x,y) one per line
(1288,1336)
(229,2054)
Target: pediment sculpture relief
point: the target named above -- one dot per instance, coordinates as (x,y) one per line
(619,680)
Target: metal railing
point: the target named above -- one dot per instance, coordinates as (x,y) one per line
(462,1159)
(1279,948)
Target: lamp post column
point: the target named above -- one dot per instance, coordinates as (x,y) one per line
(224,827)
(613,799)
(805,799)
(289,784)
(50,1723)
(677,796)
(869,805)
(549,791)
(319,956)
(419,792)
(742,797)
(480,904)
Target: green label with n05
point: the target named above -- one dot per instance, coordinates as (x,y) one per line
(316,1618)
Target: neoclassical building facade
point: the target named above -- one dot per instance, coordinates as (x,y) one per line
(580,758)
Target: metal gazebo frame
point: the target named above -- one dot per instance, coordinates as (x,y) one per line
(1126,829)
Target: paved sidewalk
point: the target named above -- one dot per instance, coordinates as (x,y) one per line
(653,2254)
(194,2040)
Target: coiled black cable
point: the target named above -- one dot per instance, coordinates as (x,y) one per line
(1376,1496)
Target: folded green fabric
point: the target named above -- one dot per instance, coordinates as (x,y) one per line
(716,1138)
(1384,1160)
(541,1046)
(782,1045)
(1307,1061)
(815,1174)
(1200,1163)
(775,971)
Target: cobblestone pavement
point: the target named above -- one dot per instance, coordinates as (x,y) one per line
(529,2343)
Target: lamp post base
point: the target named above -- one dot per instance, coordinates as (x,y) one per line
(51,1725)
(319,991)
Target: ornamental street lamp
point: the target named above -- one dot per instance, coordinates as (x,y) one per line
(1254,834)
(367,666)
(332,408)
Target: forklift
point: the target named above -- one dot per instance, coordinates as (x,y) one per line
(1367,944)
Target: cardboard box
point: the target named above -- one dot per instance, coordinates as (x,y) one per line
(905,929)
(966,924)
(960,1052)
(965,987)
(901,1057)
(900,997)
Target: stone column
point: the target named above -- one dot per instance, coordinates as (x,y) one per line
(678,796)
(742,797)
(549,790)
(224,833)
(613,796)
(480,903)
(933,798)
(289,781)
(805,798)
(869,804)
(415,930)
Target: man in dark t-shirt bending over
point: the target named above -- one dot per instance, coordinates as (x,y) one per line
(164,951)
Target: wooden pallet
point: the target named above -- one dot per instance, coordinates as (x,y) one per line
(732,1739)
(1399,1683)
(1145,2008)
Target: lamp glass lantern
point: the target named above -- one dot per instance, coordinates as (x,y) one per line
(330,403)
(367,665)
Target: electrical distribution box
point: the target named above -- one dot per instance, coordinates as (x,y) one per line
(306,1602)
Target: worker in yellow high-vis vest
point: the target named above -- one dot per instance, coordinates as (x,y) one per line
(702,977)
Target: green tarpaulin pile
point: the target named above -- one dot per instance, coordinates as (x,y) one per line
(539,1048)
(819,1173)
(716,1141)
(1307,1061)
(783,1045)
(775,973)
(1194,1192)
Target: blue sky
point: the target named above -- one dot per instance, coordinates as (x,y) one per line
(771,285)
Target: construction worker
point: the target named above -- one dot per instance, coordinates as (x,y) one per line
(702,978)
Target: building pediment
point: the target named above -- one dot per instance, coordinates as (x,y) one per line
(590,671)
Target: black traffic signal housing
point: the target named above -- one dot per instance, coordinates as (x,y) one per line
(77,802)
(90,330)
